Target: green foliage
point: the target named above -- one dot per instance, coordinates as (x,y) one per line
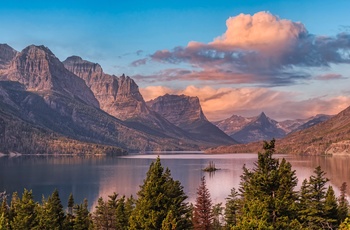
(159,195)
(50,214)
(312,201)
(23,211)
(82,220)
(203,213)
(267,191)
(232,208)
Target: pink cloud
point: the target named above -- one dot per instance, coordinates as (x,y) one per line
(330,76)
(262,32)
(260,49)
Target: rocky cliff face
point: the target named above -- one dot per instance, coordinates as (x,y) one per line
(186,113)
(7,54)
(118,96)
(37,68)
(180,110)
(121,98)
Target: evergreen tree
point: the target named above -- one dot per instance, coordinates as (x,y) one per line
(217,211)
(4,214)
(169,223)
(122,218)
(202,214)
(312,201)
(343,204)
(70,204)
(82,220)
(50,213)
(232,208)
(69,220)
(267,191)
(24,213)
(100,216)
(330,210)
(159,195)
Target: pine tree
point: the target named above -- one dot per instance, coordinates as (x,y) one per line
(50,213)
(343,204)
(312,201)
(100,216)
(4,214)
(69,220)
(217,211)
(267,191)
(159,195)
(70,204)
(169,223)
(202,214)
(330,210)
(24,213)
(122,218)
(82,220)
(232,208)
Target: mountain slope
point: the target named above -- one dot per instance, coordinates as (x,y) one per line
(186,113)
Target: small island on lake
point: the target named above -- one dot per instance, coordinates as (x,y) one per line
(210,167)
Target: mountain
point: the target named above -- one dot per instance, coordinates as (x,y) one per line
(38,91)
(7,54)
(290,126)
(233,124)
(261,128)
(329,137)
(253,129)
(121,98)
(37,68)
(186,113)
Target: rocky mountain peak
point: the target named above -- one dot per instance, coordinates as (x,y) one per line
(7,53)
(118,96)
(39,70)
(178,109)
(186,113)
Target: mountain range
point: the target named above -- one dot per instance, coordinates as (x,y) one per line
(261,127)
(49,106)
(76,100)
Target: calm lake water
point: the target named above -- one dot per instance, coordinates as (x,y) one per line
(93,177)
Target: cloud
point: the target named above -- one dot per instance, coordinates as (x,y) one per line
(257,49)
(222,103)
(261,32)
(330,76)
(139,62)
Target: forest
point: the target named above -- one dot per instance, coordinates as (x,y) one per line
(266,198)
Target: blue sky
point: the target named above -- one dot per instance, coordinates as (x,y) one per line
(118,33)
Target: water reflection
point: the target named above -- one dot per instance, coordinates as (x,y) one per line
(92,177)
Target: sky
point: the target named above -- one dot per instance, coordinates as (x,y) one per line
(289,59)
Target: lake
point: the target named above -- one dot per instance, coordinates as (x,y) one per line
(95,176)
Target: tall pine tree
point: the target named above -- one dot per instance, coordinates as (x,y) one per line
(159,195)
(202,213)
(267,191)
